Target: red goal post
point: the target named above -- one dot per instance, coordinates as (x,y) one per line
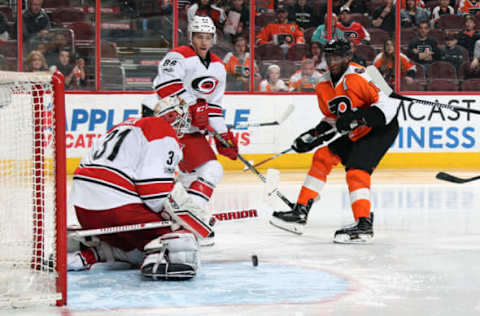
(33,241)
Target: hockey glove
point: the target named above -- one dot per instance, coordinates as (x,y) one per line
(199,114)
(311,138)
(349,121)
(230,152)
(371,116)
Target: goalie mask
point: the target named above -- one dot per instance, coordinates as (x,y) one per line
(171,109)
(202,24)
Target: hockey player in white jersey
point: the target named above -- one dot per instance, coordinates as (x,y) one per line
(197,76)
(128,178)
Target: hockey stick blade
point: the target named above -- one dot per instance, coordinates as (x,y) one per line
(451,178)
(286,114)
(380,82)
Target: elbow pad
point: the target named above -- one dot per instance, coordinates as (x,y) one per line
(373,116)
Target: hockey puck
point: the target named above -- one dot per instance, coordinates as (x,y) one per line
(254,260)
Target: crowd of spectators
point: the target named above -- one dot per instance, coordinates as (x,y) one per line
(434,33)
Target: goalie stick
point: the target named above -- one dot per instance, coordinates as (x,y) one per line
(451,178)
(380,82)
(250,166)
(279,121)
(77,232)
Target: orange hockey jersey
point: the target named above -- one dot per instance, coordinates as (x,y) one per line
(353,90)
(288,34)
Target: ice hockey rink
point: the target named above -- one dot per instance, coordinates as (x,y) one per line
(424,259)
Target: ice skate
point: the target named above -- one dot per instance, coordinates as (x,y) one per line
(293,221)
(358,233)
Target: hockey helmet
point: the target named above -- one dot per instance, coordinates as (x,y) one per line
(202,24)
(171,109)
(338,47)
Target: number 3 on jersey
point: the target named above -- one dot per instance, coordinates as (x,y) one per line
(116,138)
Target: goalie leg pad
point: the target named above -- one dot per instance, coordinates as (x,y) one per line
(172,256)
(187,213)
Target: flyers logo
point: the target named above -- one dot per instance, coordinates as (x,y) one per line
(339,105)
(350,34)
(205,85)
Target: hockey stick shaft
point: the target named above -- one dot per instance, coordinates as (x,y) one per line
(451,178)
(273,157)
(278,121)
(249,165)
(221,217)
(117,229)
(380,82)
(290,149)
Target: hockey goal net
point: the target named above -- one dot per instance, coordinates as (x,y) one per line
(32,189)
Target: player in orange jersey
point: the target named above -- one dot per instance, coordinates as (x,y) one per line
(353,106)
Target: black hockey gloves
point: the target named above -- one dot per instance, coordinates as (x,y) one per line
(350,120)
(313,137)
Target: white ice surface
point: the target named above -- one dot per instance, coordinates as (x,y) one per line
(424,261)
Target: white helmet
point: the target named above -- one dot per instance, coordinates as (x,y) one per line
(201,24)
(171,109)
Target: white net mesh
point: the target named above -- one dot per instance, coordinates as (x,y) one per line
(27,191)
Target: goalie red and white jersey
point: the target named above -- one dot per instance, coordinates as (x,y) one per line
(181,73)
(134,162)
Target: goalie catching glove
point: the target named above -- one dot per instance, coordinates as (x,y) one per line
(230,152)
(314,137)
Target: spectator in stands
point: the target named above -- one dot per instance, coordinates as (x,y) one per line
(35,61)
(281,32)
(357,58)
(413,14)
(443,8)
(273,83)
(424,49)
(352,30)
(4,28)
(316,55)
(385,62)
(3,63)
(321,33)
(468,7)
(207,8)
(357,6)
(64,65)
(237,65)
(306,78)
(469,35)
(35,20)
(384,17)
(238,18)
(452,53)
(303,15)
(476,56)
(56,44)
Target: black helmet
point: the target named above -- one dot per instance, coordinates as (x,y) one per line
(339,47)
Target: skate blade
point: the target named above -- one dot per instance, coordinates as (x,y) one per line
(345,239)
(291,228)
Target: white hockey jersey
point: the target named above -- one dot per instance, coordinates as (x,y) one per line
(182,73)
(134,162)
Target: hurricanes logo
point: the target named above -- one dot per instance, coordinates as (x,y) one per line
(340,105)
(205,85)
